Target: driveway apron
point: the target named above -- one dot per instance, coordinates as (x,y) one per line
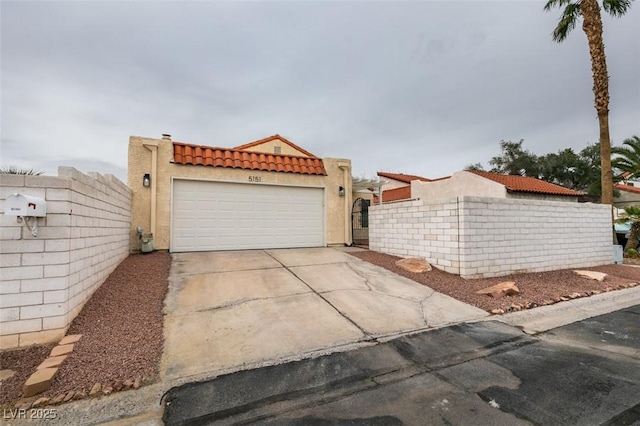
(228,311)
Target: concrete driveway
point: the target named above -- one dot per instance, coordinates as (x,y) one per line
(228,311)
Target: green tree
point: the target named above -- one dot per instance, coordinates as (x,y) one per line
(627,157)
(589,10)
(515,160)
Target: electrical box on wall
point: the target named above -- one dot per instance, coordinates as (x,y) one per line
(25,206)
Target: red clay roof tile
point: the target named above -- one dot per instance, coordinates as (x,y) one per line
(627,188)
(402,193)
(527,184)
(402,177)
(237,159)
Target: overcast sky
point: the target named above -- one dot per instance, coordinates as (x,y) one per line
(423,87)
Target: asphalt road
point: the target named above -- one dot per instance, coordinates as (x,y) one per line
(486,373)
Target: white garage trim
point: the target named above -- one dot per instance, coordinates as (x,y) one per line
(229,215)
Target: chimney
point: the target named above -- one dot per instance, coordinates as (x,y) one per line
(166,136)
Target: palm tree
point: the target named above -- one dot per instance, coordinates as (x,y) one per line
(13,170)
(627,158)
(631,215)
(592,27)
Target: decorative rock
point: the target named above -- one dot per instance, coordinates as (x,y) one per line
(68,396)
(564,298)
(497,311)
(41,401)
(61,350)
(23,405)
(58,399)
(575,295)
(95,389)
(38,382)
(414,264)
(128,384)
(136,383)
(67,340)
(118,386)
(107,390)
(497,291)
(54,361)
(80,395)
(5,374)
(592,275)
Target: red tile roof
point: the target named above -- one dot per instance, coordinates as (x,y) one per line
(628,188)
(237,159)
(527,184)
(402,193)
(271,138)
(402,177)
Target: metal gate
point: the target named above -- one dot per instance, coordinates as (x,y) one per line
(360,221)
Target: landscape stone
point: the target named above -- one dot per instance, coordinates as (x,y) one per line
(592,275)
(38,382)
(5,374)
(67,340)
(68,396)
(41,401)
(54,361)
(61,350)
(497,291)
(95,389)
(58,399)
(414,264)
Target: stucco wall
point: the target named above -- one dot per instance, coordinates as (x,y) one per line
(626,199)
(140,162)
(460,184)
(269,146)
(45,280)
(484,237)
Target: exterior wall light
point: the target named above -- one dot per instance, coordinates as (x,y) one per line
(341,191)
(146,180)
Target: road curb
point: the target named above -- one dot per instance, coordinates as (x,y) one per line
(544,318)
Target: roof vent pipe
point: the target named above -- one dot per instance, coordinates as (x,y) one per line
(166,136)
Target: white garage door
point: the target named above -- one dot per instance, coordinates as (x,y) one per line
(237,216)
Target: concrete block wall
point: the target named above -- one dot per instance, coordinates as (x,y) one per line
(45,280)
(503,236)
(417,228)
(478,237)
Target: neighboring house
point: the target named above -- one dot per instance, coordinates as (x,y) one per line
(628,195)
(480,184)
(269,193)
(397,186)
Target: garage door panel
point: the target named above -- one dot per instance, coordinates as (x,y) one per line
(232,216)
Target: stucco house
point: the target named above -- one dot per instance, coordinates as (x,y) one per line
(628,195)
(268,193)
(397,186)
(480,184)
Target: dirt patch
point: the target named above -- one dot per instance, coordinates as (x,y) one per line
(536,289)
(122,335)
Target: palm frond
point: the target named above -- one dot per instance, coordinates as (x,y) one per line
(567,22)
(13,170)
(616,8)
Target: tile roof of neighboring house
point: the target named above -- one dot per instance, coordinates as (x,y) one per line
(402,177)
(527,184)
(237,159)
(628,188)
(271,138)
(396,194)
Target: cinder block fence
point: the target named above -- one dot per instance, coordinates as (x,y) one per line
(45,280)
(478,237)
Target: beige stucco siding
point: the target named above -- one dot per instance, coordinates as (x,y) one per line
(626,199)
(269,146)
(459,185)
(140,162)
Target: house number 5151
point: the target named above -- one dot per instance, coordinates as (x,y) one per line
(255,179)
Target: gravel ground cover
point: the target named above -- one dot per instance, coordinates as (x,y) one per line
(536,289)
(122,336)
